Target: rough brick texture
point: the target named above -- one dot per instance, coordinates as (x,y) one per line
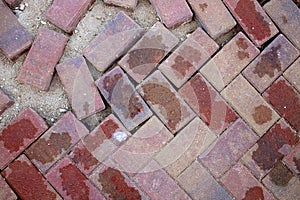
(5,101)
(6,193)
(131,4)
(292,74)
(293,160)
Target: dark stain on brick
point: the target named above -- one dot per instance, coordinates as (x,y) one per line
(109,83)
(280,175)
(203,6)
(297,163)
(262,114)
(84,157)
(134,106)
(242,55)
(284,19)
(181,65)
(113,184)
(109,127)
(242,43)
(86,107)
(254,193)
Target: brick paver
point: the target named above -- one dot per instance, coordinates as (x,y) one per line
(292,160)
(13,3)
(131,4)
(5,101)
(292,74)
(6,192)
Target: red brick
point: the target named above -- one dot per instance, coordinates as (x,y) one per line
(131,4)
(292,74)
(70,183)
(116,38)
(6,193)
(54,143)
(5,101)
(19,134)
(145,55)
(38,67)
(271,63)
(27,182)
(14,38)
(208,104)
(13,3)
(66,14)
(252,19)
(80,88)
(215,23)
(120,93)
(292,160)
(188,57)
(286,100)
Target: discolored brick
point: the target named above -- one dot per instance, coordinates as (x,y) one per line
(5,101)
(292,160)
(13,3)
(292,74)
(131,4)
(6,192)
(38,67)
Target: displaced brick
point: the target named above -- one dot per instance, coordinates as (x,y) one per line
(145,55)
(38,67)
(292,160)
(5,101)
(131,4)
(6,192)
(292,74)
(116,38)
(80,88)
(188,57)
(13,3)
(229,61)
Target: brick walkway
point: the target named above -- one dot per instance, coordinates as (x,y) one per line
(195,119)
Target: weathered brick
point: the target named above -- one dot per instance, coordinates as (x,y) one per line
(38,67)
(185,147)
(292,160)
(241,183)
(165,102)
(19,134)
(116,38)
(120,93)
(253,19)
(286,16)
(292,74)
(66,14)
(215,23)
(54,143)
(271,63)
(80,88)
(286,100)
(6,193)
(14,38)
(13,3)
(229,61)
(70,183)
(172,13)
(250,105)
(5,101)
(131,4)
(208,104)
(188,57)
(27,182)
(228,148)
(145,55)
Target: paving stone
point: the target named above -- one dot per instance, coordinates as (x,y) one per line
(165,102)
(80,88)
(241,183)
(54,143)
(120,93)
(292,160)
(27,182)
(13,3)
(188,57)
(19,134)
(66,14)
(215,23)
(229,61)
(131,4)
(292,74)
(145,55)
(286,100)
(6,193)
(70,183)
(253,19)
(286,16)
(38,67)
(116,38)
(271,63)
(14,38)
(250,105)
(208,104)
(5,101)
(228,148)
(172,13)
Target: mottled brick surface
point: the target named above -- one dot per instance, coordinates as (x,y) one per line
(292,160)
(6,193)
(292,74)
(131,4)
(5,101)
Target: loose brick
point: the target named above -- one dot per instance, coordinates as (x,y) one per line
(67,179)
(5,101)
(38,67)
(80,88)
(229,147)
(6,192)
(292,74)
(253,20)
(188,57)
(19,134)
(241,183)
(116,38)
(185,147)
(131,4)
(286,16)
(271,63)
(27,182)
(165,102)
(250,105)
(286,100)
(14,38)
(66,14)
(229,61)
(208,104)
(145,55)
(215,23)
(13,3)
(172,13)
(292,160)
(120,93)
(58,140)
